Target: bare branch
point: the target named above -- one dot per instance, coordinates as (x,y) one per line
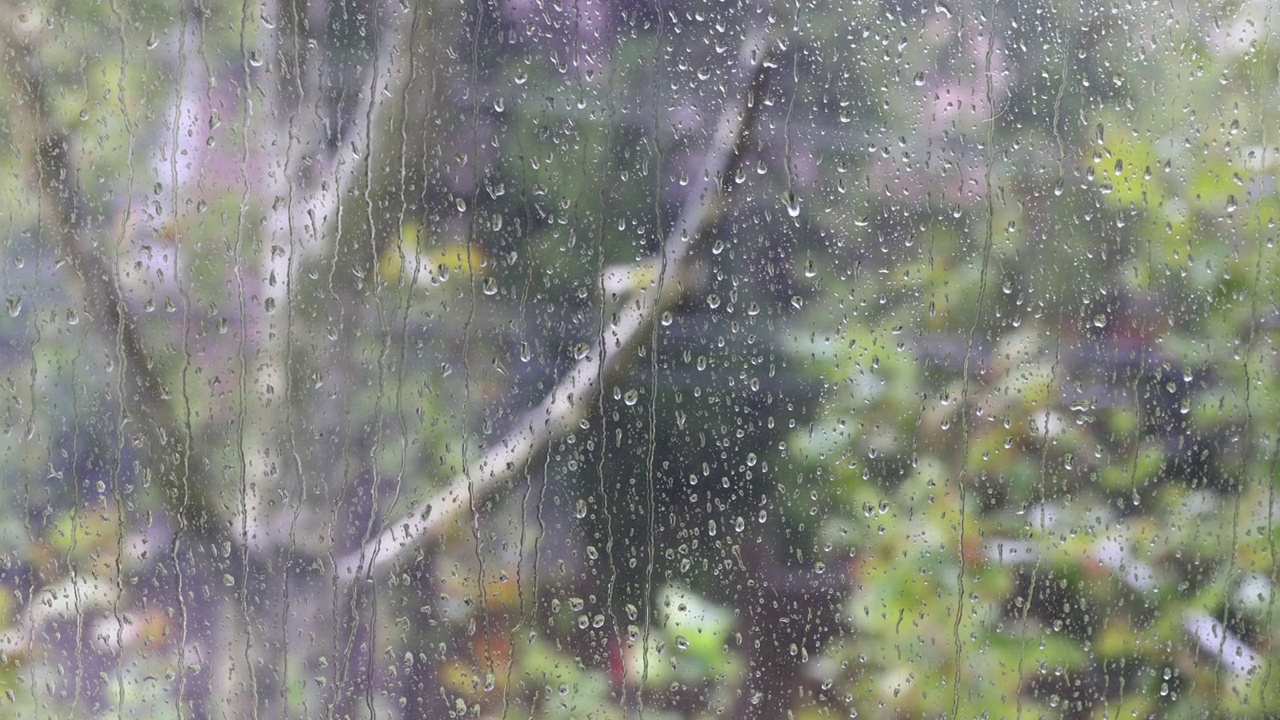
(571,399)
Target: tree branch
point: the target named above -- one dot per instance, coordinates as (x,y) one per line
(570,400)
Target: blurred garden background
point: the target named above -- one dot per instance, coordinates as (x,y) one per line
(612,359)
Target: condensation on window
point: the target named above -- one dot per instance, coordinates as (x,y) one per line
(595,358)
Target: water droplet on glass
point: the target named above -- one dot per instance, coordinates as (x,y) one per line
(792,201)
(15,305)
(713,300)
(631,397)
(525,352)
(682,642)
(1100,320)
(490,286)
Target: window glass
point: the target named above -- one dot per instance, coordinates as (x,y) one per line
(597,358)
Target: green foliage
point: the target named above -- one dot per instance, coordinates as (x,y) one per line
(965,404)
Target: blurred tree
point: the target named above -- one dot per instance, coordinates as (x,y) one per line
(684,360)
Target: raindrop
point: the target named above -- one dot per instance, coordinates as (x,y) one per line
(792,201)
